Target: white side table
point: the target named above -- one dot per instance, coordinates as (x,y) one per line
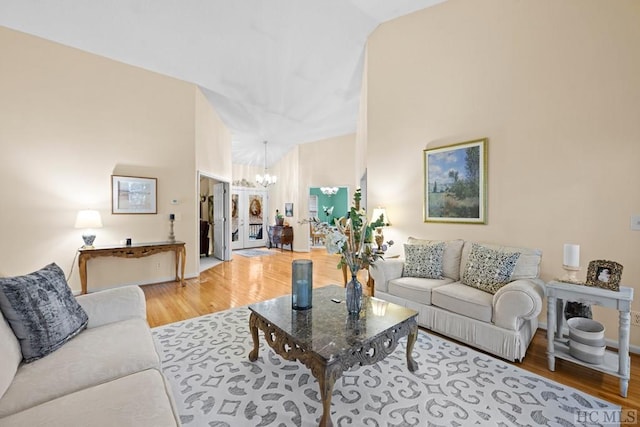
(617,364)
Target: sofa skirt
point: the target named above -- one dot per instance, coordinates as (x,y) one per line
(504,343)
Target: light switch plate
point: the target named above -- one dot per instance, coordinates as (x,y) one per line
(635,222)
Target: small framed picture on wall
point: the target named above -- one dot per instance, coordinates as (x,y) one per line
(288,209)
(133,195)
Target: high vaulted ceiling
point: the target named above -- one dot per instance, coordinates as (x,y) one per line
(284,71)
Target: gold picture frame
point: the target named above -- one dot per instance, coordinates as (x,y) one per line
(604,274)
(455,183)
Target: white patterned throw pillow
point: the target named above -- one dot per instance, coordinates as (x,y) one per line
(423,261)
(488,269)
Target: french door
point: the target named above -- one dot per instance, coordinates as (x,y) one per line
(248,218)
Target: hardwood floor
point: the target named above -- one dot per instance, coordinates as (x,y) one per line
(247,280)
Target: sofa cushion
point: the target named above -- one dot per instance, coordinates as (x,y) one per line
(488,269)
(95,356)
(464,300)
(415,289)
(41,311)
(141,400)
(10,355)
(450,258)
(527,267)
(113,305)
(423,261)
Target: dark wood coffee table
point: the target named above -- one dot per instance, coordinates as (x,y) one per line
(327,340)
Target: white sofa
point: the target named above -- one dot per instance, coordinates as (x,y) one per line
(502,323)
(107,375)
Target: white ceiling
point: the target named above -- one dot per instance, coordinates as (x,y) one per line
(285,71)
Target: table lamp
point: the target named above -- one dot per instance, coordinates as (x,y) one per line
(88,219)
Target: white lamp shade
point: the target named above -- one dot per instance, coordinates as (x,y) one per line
(380,211)
(88,219)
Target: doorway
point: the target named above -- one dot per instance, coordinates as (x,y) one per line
(214,227)
(248,217)
(326,204)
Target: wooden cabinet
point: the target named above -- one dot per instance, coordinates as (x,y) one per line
(280,235)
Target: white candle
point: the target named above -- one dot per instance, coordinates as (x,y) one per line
(571,255)
(303,293)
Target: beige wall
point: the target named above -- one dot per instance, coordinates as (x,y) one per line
(69,120)
(287,190)
(212,141)
(247,172)
(555,86)
(360,157)
(325,163)
(213,158)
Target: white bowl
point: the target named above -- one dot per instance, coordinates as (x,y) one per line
(587,353)
(586,331)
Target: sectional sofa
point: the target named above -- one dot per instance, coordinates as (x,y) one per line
(484,295)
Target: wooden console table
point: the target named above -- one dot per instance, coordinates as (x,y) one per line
(133,251)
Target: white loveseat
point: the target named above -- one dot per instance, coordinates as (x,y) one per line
(107,375)
(502,323)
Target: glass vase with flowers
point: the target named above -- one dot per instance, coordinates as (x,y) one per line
(352,238)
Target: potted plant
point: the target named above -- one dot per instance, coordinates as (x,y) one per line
(279,218)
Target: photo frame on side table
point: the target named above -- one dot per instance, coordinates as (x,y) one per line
(604,274)
(133,195)
(455,183)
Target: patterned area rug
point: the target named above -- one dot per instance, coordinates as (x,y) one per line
(215,384)
(252,252)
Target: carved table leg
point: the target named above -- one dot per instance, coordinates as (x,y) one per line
(181,255)
(176,257)
(183,258)
(411,340)
(82,267)
(253,355)
(326,380)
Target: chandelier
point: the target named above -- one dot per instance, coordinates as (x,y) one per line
(265,179)
(329,191)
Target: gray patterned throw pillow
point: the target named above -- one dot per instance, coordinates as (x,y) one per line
(423,261)
(488,269)
(41,311)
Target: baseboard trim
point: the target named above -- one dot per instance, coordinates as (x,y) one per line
(156,281)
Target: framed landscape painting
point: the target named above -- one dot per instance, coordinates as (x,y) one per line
(455,183)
